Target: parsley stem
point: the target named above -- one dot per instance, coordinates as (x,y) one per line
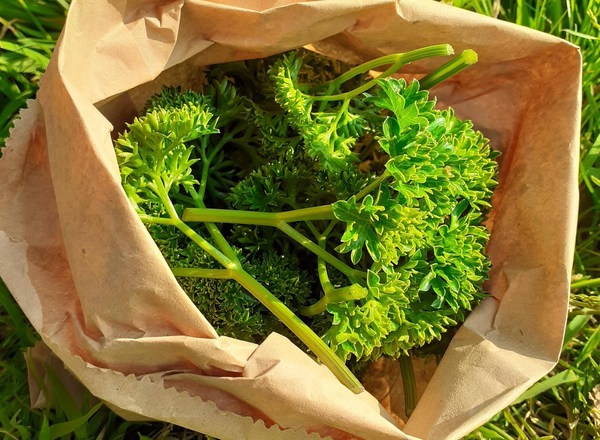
(199,195)
(206,245)
(373,185)
(200,272)
(585,283)
(163,194)
(455,65)
(396,61)
(280,310)
(322,268)
(341,294)
(214,232)
(279,220)
(300,329)
(311,227)
(355,276)
(274,304)
(323,212)
(409,383)
(404,58)
(148,219)
(331,294)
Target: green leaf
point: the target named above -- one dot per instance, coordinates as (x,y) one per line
(564,377)
(360,219)
(330,133)
(590,347)
(574,326)
(58,430)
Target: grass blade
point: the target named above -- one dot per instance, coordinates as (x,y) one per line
(557,380)
(575,325)
(591,346)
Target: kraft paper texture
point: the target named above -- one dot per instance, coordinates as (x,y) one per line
(90,279)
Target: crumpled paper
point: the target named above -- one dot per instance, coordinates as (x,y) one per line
(89,278)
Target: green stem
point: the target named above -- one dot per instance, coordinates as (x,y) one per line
(373,185)
(455,65)
(205,171)
(594,282)
(214,232)
(355,276)
(280,221)
(357,91)
(396,60)
(409,383)
(279,309)
(322,268)
(145,218)
(331,294)
(198,272)
(324,212)
(206,246)
(311,227)
(163,193)
(342,294)
(300,329)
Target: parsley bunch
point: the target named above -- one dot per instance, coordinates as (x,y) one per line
(347,205)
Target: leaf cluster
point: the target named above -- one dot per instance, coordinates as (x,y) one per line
(421,229)
(378,258)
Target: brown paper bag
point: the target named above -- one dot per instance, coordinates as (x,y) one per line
(94,285)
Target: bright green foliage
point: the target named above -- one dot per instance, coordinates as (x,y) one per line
(428,211)
(419,228)
(153,156)
(328,135)
(359,209)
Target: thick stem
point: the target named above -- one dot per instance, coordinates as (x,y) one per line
(324,212)
(300,329)
(594,282)
(280,221)
(454,66)
(148,219)
(409,383)
(214,232)
(206,246)
(342,294)
(198,272)
(373,185)
(163,193)
(396,60)
(280,310)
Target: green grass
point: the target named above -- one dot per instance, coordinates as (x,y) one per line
(558,406)
(27,36)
